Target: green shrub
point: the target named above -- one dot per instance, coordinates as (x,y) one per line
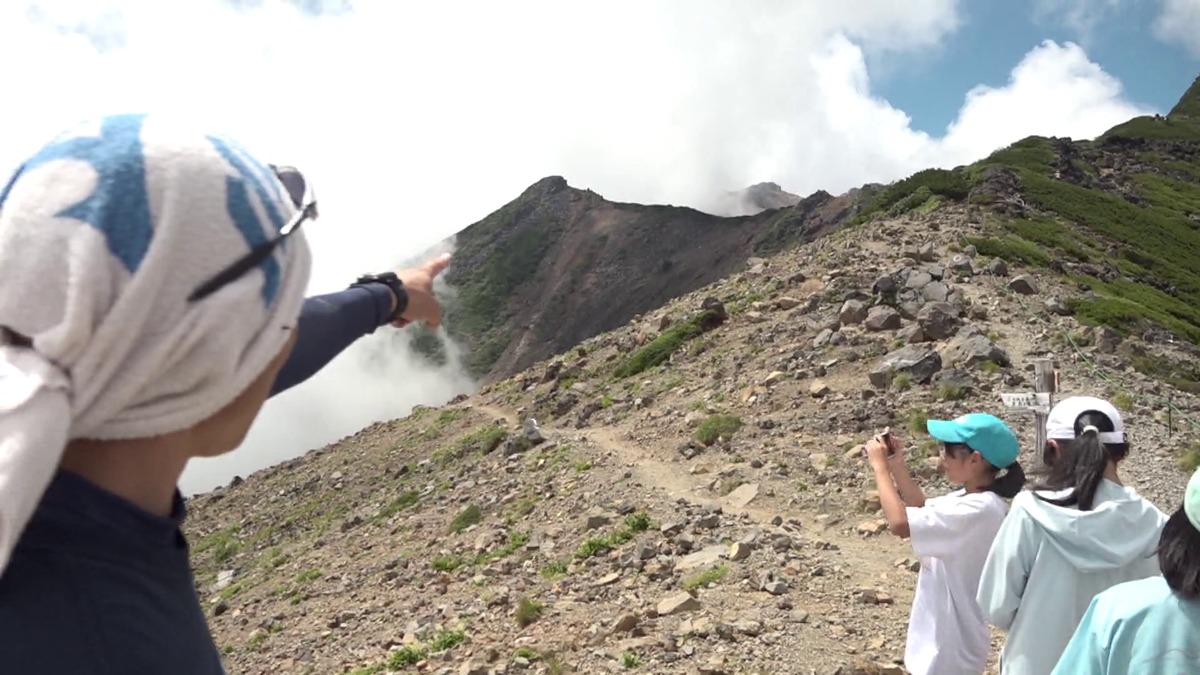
(658,350)
(466,518)
(528,612)
(717,426)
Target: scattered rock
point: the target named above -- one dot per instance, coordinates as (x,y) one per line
(740,551)
(743,495)
(1024,285)
(853,312)
(677,604)
(1055,305)
(938,320)
(972,348)
(882,317)
(998,267)
(917,362)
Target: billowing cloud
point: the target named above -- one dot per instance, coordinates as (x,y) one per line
(1179,23)
(416,119)
(1080,16)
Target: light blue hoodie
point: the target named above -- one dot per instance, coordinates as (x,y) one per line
(1136,628)
(1048,562)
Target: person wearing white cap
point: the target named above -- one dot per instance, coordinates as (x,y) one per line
(1151,625)
(1079,533)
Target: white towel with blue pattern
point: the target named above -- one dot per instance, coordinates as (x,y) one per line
(104,233)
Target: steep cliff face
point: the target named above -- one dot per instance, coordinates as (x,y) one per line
(558,265)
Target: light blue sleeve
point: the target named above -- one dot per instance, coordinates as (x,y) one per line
(1087,652)
(1007,568)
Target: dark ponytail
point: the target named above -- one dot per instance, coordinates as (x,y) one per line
(1010,484)
(1179,555)
(1081,463)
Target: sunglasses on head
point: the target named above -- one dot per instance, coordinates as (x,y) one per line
(305,201)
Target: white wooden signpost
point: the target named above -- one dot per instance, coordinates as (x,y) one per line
(1039,401)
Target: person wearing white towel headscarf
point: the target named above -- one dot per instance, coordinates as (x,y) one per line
(136,332)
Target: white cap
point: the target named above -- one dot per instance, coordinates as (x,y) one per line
(1060,424)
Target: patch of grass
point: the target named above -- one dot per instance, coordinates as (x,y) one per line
(1166,129)
(308,575)
(447,639)
(729,484)
(1010,248)
(405,500)
(634,523)
(223,544)
(515,541)
(527,654)
(717,426)
(233,589)
(658,350)
(990,367)
(629,661)
(446,563)
(408,655)
(1122,401)
(1183,375)
(952,392)
(709,576)
(554,569)
(917,419)
(582,465)
(1189,457)
(466,518)
(276,558)
(528,611)
(902,382)
(915,191)
(521,508)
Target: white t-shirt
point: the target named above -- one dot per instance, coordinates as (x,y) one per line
(947,633)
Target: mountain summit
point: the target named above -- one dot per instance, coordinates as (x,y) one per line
(558,265)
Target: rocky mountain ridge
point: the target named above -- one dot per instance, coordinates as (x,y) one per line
(685,493)
(709,512)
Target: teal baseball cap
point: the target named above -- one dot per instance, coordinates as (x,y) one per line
(986,434)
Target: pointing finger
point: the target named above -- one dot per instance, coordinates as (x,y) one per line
(435,266)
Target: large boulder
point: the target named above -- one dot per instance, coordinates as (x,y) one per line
(919,363)
(971,347)
(853,312)
(938,320)
(882,317)
(1024,285)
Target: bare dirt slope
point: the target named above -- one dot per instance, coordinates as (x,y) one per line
(710,513)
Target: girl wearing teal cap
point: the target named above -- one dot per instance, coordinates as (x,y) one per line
(1080,533)
(1151,625)
(947,632)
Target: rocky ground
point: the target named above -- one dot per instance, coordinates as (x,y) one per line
(709,514)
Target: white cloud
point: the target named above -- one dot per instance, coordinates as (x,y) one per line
(416,119)
(1080,16)
(1179,23)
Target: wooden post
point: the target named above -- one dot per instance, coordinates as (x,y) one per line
(1044,381)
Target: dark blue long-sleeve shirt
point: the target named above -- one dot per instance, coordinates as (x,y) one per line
(99,586)
(329,324)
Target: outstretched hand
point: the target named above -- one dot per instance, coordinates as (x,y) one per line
(418,282)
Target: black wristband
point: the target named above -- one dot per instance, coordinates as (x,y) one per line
(393,282)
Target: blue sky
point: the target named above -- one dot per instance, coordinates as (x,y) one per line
(996,34)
